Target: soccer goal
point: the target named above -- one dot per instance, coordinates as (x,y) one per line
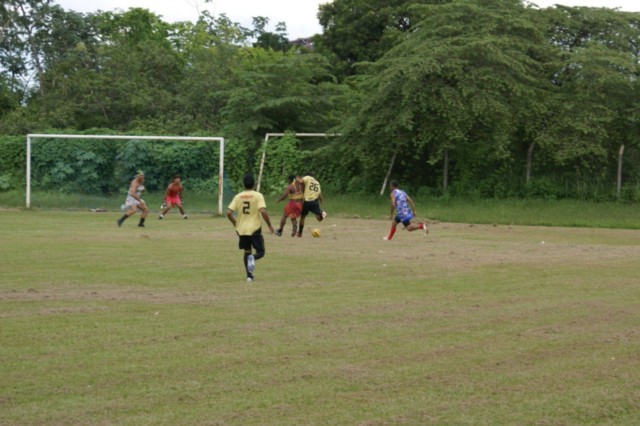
(279,135)
(33,136)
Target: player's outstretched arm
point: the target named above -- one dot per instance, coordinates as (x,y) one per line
(283,196)
(230,217)
(393,205)
(265,216)
(413,206)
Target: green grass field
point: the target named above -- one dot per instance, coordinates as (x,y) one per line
(475,324)
(573,213)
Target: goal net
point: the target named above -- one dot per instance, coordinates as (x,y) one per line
(94,171)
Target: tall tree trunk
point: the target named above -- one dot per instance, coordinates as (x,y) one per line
(33,13)
(386,178)
(529,161)
(445,171)
(619,181)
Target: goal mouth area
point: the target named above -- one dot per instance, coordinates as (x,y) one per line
(268,136)
(219,139)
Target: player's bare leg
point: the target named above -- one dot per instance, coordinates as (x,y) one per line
(283,221)
(416,226)
(132,210)
(412,227)
(143,216)
(184,215)
(166,209)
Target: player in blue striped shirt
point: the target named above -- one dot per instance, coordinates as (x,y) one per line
(405,211)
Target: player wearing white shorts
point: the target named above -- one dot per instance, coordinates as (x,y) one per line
(134,202)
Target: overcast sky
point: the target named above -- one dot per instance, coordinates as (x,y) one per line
(299,15)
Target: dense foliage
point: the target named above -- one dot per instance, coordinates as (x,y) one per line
(489,98)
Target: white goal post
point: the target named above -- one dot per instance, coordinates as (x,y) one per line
(126,137)
(279,135)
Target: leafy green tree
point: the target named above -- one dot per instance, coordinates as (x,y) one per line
(594,112)
(129,76)
(35,36)
(24,27)
(363,30)
(452,89)
(282,91)
(268,40)
(278,92)
(212,50)
(9,100)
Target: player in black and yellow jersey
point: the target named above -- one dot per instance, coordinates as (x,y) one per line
(312,200)
(245,212)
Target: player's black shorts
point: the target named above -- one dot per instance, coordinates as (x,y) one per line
(311,206)
(248,241)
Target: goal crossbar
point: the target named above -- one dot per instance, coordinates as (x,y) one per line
(155,138)
(279,135)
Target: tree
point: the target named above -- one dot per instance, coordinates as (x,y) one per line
(363,30)
(212,51)
(279,92)
(268,40)
(282,91)
(452,88)
(24,23)
(125,73)
(593,115)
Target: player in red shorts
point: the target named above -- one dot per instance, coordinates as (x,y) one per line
(293,209)
(172,197)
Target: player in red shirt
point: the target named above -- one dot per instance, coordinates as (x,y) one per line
(172,198)
(293,209)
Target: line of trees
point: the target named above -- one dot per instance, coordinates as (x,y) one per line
(491,98)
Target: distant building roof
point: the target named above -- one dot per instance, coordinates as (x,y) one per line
(302,42)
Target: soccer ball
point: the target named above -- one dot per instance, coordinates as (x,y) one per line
(315,232)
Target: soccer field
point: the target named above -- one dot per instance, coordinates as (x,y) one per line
(470,325)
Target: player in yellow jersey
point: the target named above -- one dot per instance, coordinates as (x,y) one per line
(244,212)
(293,209)
(312,200)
